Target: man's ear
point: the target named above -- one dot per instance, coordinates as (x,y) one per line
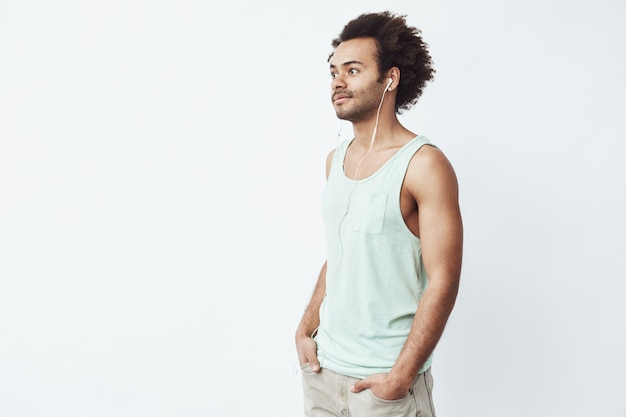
(394,75)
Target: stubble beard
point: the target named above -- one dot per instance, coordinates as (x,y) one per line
(360,106)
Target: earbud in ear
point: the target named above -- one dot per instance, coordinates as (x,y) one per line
(389,83)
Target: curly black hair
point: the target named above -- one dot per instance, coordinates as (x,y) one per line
(398,45)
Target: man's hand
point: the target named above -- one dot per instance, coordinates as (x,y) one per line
(307,352)
(383,386)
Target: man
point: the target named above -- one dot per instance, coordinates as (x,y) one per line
(394,236)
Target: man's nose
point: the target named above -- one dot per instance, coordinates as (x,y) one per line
(338,82)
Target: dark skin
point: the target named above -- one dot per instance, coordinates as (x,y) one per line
(429,204)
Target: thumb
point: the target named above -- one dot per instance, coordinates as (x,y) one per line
(360,385)
(314,363)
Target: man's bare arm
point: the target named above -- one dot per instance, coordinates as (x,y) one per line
(306,346)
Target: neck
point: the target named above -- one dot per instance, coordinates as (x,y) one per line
(388,130)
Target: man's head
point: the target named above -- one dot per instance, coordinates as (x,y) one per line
(357,90)
(397,45)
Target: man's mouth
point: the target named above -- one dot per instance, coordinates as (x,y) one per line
(339,98)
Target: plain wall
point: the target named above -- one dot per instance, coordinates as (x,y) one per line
(161,173)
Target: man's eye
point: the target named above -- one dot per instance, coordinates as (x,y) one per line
(333,75)
(353,71)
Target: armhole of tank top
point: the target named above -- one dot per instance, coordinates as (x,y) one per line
(419,145)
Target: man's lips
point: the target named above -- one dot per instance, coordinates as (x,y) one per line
(339,98)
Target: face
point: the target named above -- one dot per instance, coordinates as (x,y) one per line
(356,91)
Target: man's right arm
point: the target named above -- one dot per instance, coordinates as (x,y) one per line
(306,346)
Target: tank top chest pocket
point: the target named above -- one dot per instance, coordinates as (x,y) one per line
(368,211)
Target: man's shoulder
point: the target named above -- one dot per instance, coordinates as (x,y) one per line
(428,156)
(429,166)
(329,161)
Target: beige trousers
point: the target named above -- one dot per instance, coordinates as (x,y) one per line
(327,394)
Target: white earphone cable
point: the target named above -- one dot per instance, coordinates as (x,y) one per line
(356,171)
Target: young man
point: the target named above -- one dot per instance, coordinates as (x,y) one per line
(394,236)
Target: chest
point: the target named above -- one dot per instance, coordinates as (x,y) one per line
(373,162)
(358,165)
(378,205)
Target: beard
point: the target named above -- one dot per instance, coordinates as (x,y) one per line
(361,106)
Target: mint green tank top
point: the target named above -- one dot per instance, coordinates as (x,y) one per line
(375,276)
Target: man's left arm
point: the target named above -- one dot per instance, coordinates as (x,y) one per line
(432,182)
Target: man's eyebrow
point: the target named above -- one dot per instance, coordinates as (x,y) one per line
(347,63)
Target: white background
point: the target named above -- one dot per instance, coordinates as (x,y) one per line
(161,170)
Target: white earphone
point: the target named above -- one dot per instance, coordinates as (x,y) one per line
(389,84)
